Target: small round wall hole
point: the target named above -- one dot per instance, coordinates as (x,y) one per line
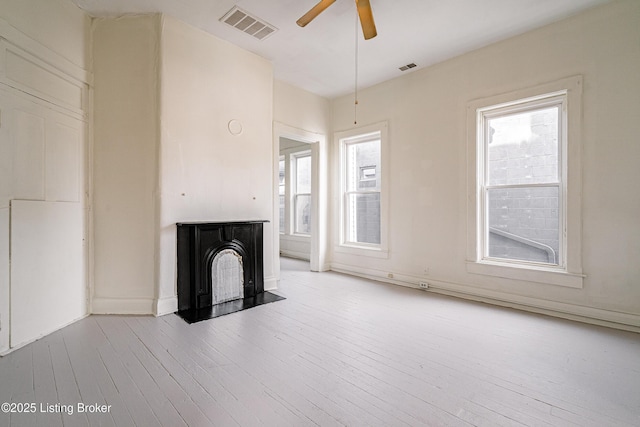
(235,127)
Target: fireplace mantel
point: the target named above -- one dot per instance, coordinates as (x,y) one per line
(198,245)
(199,242)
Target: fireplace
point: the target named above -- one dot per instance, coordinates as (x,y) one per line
(220,268)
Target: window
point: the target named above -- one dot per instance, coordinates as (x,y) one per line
(302,193)
(281,192)
(521,184)
(362,195)
(363,208)
(294,191)
(527,206)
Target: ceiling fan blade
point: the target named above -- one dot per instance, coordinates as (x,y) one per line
(315,11)
(366,19)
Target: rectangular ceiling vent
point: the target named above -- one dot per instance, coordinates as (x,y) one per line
(247,23)
(408,66)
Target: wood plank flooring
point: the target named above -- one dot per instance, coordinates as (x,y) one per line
(339,351)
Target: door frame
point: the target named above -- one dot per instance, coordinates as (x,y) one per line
(319,193)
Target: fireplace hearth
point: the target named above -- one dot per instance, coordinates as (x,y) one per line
(220,268)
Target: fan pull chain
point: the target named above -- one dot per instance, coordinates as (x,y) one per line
(355,104)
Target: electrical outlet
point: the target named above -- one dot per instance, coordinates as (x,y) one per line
(424,285)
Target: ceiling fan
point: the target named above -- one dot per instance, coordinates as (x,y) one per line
(364,12)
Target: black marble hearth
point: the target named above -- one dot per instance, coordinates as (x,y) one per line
(196,315)
(220,269)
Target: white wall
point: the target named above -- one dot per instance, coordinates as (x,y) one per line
(207,173)
(126,120)
(300,109)
(426,111)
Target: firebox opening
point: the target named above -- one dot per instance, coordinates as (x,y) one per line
(227,276)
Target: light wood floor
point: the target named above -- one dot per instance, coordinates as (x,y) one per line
(338,351)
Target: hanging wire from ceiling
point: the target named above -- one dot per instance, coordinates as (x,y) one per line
(355,104)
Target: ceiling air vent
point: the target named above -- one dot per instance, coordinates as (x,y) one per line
(247,23)
(407,67)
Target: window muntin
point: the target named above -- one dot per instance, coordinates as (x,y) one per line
(361,182)
(521,182)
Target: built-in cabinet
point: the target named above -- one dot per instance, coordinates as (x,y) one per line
(43,191)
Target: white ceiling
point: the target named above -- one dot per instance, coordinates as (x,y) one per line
(321,57)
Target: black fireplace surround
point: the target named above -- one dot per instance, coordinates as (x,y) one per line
(198,244)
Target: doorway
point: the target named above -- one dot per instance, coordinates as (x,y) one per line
(294,198)
(300,195)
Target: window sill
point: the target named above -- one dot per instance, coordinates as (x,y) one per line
(296,237)
(374,252)
(529,274)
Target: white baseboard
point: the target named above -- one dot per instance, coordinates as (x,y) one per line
(122,306)
(294,254)
(270,283)
(592,315)
(325,267)
(166,305)
(381,276)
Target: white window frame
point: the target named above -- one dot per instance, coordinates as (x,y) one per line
(568,272)
(484,115)
(342,139)
(282,158)
(294,188)
(289,156)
